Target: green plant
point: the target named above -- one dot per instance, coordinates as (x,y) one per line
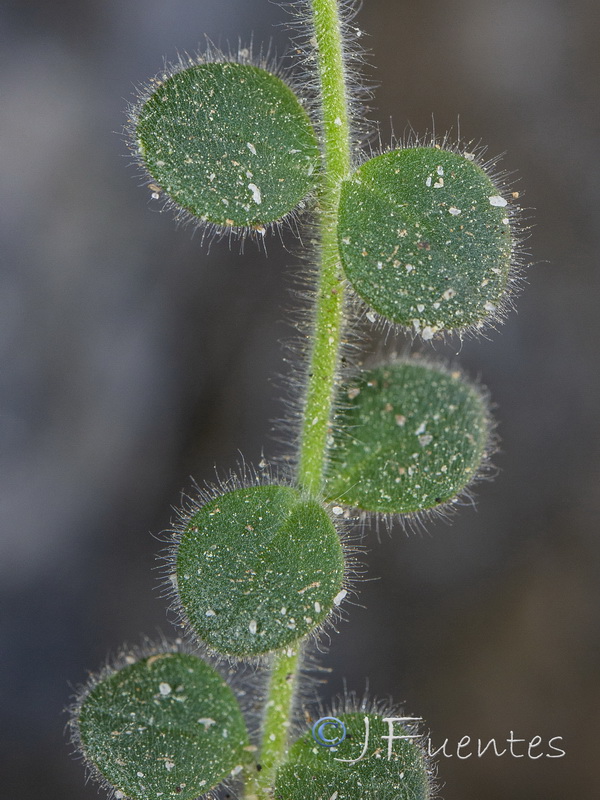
(422,236)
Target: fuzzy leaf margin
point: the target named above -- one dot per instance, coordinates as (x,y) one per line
(229,143)
(408,437)
(425,239)
(164,726)
(257,569)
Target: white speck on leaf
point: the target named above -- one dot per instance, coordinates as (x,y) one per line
(499,202)
(252,627)
(164,689)
(256,195)
(454,211)
(251,148)
(339,597)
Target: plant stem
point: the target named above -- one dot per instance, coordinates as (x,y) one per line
(276,722)
(324,357)
(330,290)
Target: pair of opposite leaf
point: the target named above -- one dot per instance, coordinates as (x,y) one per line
(424,235)
(168,726)
(257,568)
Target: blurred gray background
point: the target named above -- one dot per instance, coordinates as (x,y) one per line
(132,359)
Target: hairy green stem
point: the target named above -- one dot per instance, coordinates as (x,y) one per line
(276,723)
(324,357)
(330,291)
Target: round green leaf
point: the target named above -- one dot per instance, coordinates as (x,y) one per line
(257,569)
(166,726)
(408,437)
(313,771)
(229,143)
(425,239)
